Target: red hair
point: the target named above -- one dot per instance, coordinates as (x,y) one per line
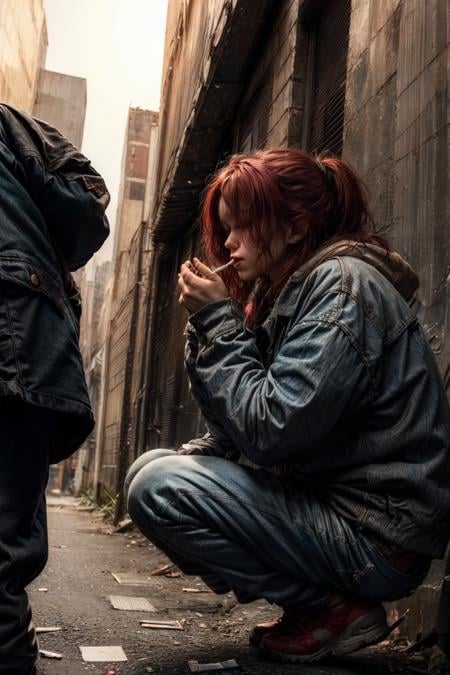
(319,197)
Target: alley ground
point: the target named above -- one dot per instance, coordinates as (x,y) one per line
(73,592)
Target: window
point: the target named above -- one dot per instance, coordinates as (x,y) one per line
(136,190)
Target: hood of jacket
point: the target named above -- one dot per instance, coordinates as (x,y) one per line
(390,264)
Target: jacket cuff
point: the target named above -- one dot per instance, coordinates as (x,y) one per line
(215,319)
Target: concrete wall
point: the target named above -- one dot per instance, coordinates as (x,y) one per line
(61,101)
(23,46)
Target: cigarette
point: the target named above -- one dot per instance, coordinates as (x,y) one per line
(222,267)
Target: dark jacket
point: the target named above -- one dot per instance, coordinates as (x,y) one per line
(52,220)
(340,386)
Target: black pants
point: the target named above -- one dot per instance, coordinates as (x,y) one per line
(25,446)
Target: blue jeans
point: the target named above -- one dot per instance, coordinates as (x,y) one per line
(254,533)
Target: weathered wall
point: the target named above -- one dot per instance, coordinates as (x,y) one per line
(194,29)
(396,134)
(61,101)
(269,112)
(23,45)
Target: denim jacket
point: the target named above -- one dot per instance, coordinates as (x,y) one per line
(340,388)
(52,215)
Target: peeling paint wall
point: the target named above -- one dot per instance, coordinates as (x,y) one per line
(23,46)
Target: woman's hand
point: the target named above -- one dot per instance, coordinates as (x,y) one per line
(198,291)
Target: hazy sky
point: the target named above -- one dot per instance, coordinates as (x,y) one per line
(117,45)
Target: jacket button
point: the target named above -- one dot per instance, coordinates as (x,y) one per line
(35,281)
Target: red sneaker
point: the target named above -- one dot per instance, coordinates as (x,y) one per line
(340,629)
(272,627)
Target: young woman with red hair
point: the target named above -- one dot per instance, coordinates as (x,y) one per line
(322,484)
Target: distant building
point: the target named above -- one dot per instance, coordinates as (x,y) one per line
(23,48)
(61,101)
(92,343)
(139,148)
(120,379)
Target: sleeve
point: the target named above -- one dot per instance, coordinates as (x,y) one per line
(277,414)
(216,441)
(210,445)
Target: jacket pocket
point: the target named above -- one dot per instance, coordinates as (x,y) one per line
(24,272)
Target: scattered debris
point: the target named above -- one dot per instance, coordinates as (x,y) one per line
(173,575)
(131,579)
(48,629)
(59,546)
(196,667)
(124,525)
(43,590)
(196,590)
(104,653)
(428,640)
(160,571)
(131,603)
(438,662)
(162,625)
(49,655)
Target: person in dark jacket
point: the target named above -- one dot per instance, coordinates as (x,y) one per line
(309,365)
(52,220)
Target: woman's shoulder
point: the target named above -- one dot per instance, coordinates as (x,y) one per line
(348,290)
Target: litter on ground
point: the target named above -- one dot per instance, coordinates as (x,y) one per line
(103,653)
(130,603)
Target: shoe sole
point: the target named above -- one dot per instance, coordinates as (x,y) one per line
(365,631)
(297,658)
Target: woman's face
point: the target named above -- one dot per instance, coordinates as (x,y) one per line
(249,262)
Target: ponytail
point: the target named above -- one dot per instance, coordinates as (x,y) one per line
(349,216)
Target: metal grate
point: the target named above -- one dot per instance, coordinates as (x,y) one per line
(330,74)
